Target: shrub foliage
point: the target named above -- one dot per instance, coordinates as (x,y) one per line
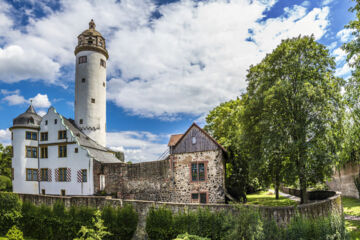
(10,211)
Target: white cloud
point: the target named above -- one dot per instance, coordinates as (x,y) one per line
(14,99)
(41,113)
(345,35)
(187,61)
(196,55)
(339,54)
(343,71)
(41,101)
(137,146)
(5,137)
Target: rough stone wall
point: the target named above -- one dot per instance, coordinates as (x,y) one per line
(214,184)
(282,215)
(142,181)
(343,180)
(167,180)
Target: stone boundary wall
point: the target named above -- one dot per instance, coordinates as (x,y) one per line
(282,215)
(312,195)
(343,180)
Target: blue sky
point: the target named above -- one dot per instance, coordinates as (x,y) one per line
(170,61)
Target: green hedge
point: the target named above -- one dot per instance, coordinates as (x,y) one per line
(162,224)
(10,211)
(120,222)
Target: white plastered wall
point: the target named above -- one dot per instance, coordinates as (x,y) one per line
(74,161)
(92,114)
(20,162)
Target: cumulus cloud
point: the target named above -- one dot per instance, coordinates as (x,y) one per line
(40,101)
(137,146)
(14,98)
(5,136)
(345,35)
(187,61)
(196,55)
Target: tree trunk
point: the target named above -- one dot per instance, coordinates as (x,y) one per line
(303,188)
(277,186)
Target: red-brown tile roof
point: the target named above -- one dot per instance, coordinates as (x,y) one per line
(174,139)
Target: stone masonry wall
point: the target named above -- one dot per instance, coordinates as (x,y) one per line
(282,215)
(141,181)
(166,180)
(343,180)
(214,184)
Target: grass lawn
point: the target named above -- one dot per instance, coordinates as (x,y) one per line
(351,206)
(266,198)
(353,228)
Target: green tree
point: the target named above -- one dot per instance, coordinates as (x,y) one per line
(224,124)
(294,111)
(5,160)
(97,233)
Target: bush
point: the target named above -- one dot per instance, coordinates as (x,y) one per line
(186,236)
(326,228)
(5,183)
(14,234)
(246,224)
(159,224)
(121,222)
(10,211)
(96,232)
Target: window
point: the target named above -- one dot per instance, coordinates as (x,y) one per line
(198,172)
(93,100)
(62,151)
(46,122)
(44,136)
(43,191)
(44,176)
(102,63)
(31,174)
(103,84)
(193,140)
(83,80)
(55,121)
(81,121)
(62,174)
(31,135)
(199,197)
(76,150)
(62,134)
(43,152)
(83,175)
(203,198)
(31,152)
(82,59)
(62,192)
(195,196)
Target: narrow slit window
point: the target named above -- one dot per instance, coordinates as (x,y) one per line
(93,100)
(81,121)
(83,80)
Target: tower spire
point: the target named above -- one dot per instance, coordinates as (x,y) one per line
(92,24)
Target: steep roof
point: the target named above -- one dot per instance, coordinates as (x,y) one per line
(95,150)
(28,119)
(203,131)
(174,139)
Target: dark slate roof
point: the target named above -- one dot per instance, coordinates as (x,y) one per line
(28,118)
(98,152)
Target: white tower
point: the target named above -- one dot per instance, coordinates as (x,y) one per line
(25,160)
(90,84)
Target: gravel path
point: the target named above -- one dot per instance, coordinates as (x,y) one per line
(291,197)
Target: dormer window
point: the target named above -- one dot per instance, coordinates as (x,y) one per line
(82,59)
(30,120)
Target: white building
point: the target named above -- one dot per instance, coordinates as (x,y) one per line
(55,155)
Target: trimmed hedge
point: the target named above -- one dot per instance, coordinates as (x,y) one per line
(121,222)
(10,211)
(162,224)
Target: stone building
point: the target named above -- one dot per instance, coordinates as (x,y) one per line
(60,156)
(194,172)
